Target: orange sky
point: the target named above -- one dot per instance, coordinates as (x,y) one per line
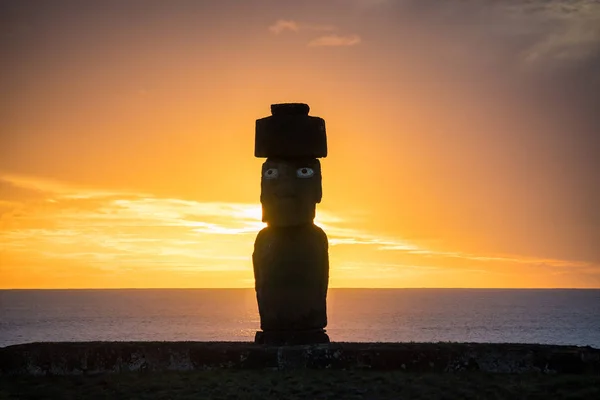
(463,140)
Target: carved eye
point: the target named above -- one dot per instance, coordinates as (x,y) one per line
(271,173)
(304,172)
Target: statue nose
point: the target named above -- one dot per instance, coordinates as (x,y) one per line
(286,188)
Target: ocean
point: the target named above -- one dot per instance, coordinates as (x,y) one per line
(569,317)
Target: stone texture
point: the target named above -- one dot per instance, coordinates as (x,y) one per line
(291,262)
(88,358)
(289,193)
(290,133)
(291,271)
(291,338)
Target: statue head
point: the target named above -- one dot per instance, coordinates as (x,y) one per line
(290,191)
(291,140)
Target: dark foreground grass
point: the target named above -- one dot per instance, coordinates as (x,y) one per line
(302,384)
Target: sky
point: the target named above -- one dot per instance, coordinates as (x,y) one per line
(464,139)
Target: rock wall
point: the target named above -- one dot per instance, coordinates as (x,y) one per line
(78,358)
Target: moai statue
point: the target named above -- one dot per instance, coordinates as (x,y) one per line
(291,261)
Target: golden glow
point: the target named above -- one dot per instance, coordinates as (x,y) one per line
(126,153)
(71,237)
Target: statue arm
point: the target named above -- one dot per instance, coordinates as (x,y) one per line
(325,264)
(256,261)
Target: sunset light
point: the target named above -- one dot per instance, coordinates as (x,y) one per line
(456,158)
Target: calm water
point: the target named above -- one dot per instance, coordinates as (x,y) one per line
(375,315)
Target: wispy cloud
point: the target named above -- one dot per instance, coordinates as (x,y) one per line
(51,187)
(335,41)
(330,40)
(410,250)
(128,230)
(116,231)
(535,33)
(282,25)
(575,32)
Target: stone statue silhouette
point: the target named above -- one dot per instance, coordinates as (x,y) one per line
(290,259)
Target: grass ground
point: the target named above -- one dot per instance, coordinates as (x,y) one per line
(302,384)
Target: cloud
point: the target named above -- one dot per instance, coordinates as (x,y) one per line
(533,32)
(575,34)
(284,25)
(57,189)
(293,26)
(335,41)
(116,231)
(544,34)
(331,40)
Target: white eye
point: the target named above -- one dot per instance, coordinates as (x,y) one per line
(304,172)
(271,173)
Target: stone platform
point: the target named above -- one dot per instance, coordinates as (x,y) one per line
(82,358)
(293,338)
